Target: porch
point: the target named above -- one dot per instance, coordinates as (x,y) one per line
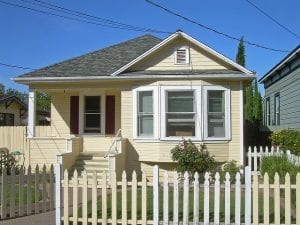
(85,129)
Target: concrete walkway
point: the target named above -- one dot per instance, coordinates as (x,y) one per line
(47,218)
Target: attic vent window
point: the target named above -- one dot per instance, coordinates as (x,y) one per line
(181,55)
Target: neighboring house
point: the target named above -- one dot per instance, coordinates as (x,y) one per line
(282,94)
(13,112)
(154,92)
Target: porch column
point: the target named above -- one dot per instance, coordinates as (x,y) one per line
(31,113)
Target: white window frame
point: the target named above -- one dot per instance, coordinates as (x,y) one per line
(82,96)
(227,112)
(135,91)
(197,104)
(187,52)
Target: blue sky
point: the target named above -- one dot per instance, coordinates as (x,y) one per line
(35,40)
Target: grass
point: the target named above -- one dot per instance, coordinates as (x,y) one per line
(7,191)
(180,209)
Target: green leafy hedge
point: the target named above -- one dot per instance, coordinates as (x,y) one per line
(287,140)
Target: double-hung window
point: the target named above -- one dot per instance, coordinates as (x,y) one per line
(145,115)
(92,114)
(277,109)
(268,113)
(216,113)
(145,112)
(180,113)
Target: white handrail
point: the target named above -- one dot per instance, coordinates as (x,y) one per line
(114,142)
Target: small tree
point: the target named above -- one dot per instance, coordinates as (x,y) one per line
(192,158)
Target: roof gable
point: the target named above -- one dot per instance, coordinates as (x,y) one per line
(217,60)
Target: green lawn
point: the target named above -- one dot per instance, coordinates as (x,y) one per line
(7,192)
(191,197)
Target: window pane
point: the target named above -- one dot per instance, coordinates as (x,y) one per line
(145,125)
(2,119)
(216,126)
(180,101)
(216,101)
(9,119)
(92,123)
(180,125)
(92,104)
(145,102)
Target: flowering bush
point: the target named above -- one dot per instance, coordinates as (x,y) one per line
(287,140)
(192,158)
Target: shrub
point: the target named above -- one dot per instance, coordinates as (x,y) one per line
(8,161)
(192,158)
(232,168)
(281,165)
(287,140)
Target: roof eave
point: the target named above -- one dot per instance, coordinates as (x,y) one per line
(280,64)
(135,77)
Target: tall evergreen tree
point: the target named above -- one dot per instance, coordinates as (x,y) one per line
(249,103)
(257,103)
(240,56)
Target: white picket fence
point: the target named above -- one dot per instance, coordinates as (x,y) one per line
(177,201)
(26,192)
(255,155)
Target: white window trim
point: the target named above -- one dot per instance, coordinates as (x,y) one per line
(187,52)
(227,112)
(82,94)
(197,91)
(135,91)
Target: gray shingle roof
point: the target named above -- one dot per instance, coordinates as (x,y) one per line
(99,63)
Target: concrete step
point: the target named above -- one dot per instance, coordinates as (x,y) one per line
(91,162)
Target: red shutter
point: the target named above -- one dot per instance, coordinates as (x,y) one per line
(110,115)
(74,114)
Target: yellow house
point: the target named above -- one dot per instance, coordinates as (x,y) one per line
(126,106)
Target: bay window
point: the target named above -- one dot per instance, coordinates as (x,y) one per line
(92,114)
(199,113)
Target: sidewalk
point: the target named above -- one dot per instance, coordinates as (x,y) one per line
(47,218)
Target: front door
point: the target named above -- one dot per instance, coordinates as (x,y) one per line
(110,115)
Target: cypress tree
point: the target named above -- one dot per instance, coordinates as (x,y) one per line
(257,103)
(249,103)
(240,56)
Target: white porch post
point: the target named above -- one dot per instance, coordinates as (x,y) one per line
(31,113)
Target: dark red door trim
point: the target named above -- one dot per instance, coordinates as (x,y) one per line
(74,114)
(110,115)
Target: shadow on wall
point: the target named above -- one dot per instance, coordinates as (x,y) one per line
(132,162)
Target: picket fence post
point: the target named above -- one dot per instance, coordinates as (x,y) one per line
(155,195)
(58,194)
(247,195)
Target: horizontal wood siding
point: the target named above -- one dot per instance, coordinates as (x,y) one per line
(288,88)
(44,150)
